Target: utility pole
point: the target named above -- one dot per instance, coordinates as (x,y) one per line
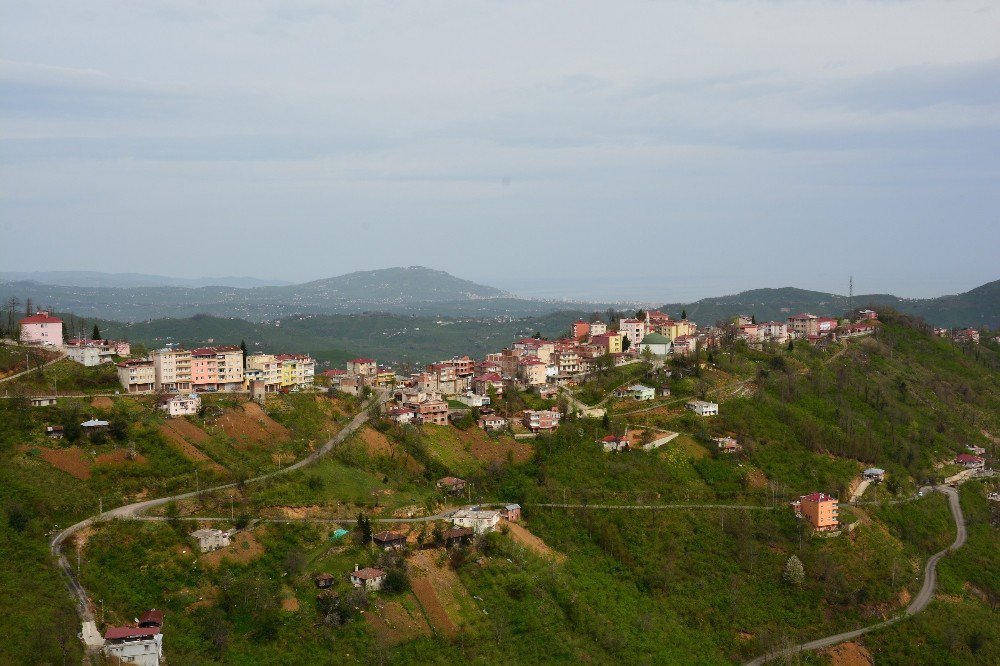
(232,511)
(100,506)
(850,296)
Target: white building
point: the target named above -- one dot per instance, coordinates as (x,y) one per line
(211,539)
(480,521)
(172,368)
(369,578)
(703,408)
(473,400)
(134,645)
(181,405)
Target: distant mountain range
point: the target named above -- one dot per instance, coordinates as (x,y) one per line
(977,307)
(419,291)
(126,280)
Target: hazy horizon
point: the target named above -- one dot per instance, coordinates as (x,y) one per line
(613,291)
(658,151)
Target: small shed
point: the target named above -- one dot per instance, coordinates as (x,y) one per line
(457,536)
(55,432)
(323,581)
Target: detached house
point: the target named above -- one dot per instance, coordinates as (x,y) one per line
(142,646)
(181,405)
(703,408)
(970,462)
(389,540)
(480,521)
(541,419)
(369,578)
(451,484)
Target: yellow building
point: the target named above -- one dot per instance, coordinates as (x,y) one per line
(611,341)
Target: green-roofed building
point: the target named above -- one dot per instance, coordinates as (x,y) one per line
(659,345)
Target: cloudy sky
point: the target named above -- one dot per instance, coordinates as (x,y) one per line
(661,150)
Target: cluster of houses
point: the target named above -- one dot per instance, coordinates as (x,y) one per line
(222,368)
(466,525)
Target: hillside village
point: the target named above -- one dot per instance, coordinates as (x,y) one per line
(526,390)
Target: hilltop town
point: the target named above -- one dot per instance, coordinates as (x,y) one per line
(649,389)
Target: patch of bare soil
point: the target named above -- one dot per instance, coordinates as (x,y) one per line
(187,430)
(119,457)
(73,461)
(189,450)
(299,512)
(244,548)
(102,402)
(289,602)
(393,624)
(208,598)
(253,410)
(438,589)
(904,597)
(529,540)
(849,654)
(375,442)
(756,479)
(251,426)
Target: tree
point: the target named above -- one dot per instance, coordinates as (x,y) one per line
(640,315)
(364,529)
(794,572)
(753,319)
(96,333)
(790,345)
(647,354)
(684,314)
(626,343)
(243,348)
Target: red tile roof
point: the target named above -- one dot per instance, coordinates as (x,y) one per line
(119,633)
(818,497)
(41,318)
(965,457)
(362,360)
(367,573)
(152,616)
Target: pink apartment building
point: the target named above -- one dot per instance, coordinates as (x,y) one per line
(41,329)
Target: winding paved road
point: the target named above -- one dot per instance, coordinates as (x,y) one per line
(90,635)
(919,602)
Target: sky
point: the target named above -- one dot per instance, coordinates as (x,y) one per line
(647,150)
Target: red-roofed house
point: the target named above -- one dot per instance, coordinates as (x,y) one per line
(369,578)
(41,329)
(970,462)
(134,645)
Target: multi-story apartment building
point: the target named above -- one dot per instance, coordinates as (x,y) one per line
(217,368)
(362,367)
(567,363)
(297,370)
(433,412)
(172,369)
(137,375)
(775,331)
(611,342)
(532,370)
(41,329)
(821,510)
(540,419)
(598,328)
(803,325)
(634,330)
(265,368)
(534,347)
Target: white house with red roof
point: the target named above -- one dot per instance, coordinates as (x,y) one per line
(134,645)
(41,329)
(970,462)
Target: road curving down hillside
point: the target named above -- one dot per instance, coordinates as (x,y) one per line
(919,602)
(89,633)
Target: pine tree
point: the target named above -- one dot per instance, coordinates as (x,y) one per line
(684,314)
(794,572)
(243,348)
(96,333)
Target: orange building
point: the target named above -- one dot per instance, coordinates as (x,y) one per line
(821,510)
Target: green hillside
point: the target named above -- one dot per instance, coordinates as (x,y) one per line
(582,583)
